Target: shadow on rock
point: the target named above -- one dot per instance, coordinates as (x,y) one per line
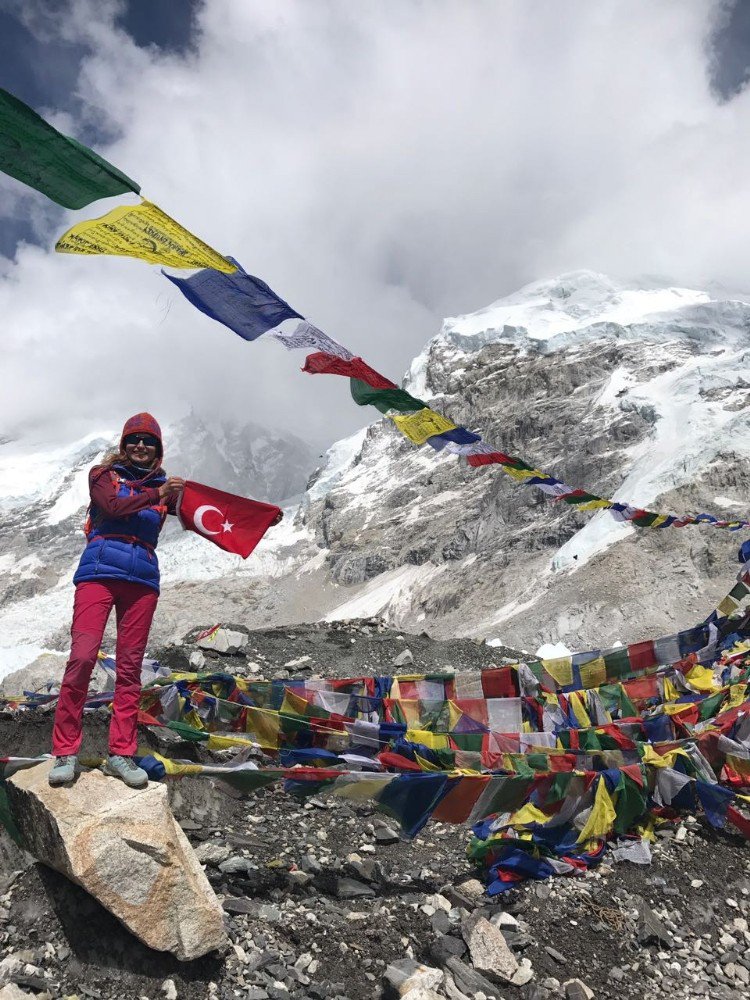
(97,938)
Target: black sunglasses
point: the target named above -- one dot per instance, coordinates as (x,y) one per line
(146,439)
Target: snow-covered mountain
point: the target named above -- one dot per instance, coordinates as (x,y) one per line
(636,390)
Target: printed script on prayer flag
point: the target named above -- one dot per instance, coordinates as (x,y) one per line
(145,232)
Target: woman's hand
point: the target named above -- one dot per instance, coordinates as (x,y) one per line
(174,485)
(278,517)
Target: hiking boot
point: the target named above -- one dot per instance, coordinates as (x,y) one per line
(64,770)
(127,770)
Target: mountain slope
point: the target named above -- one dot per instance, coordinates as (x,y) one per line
(632,390)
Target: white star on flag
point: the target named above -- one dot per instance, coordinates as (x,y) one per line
(226,526)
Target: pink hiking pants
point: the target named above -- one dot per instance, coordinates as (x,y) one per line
(134,605)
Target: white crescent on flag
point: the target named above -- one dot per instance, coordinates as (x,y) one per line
(200,514)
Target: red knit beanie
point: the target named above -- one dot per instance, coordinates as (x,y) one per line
(142,423)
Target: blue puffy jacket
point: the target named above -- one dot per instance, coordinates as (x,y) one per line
(123,548)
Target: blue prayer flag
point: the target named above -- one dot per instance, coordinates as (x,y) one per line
(412,799)
(239,300)
(459,435)
(715,801)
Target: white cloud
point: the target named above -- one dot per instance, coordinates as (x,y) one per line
(380,165)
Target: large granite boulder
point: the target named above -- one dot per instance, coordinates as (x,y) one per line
(124,847)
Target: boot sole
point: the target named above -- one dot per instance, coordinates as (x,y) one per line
(60,782)
(119,777)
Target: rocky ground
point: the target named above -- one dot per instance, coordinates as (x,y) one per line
(323,900)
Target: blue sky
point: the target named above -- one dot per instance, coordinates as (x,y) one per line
(381,165)
(42,68)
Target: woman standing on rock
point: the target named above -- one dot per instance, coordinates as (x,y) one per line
(130,498)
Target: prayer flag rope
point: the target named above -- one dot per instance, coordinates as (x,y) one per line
(35,153)
(549,775)
(251,315)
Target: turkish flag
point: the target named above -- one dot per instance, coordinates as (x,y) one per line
(235,524)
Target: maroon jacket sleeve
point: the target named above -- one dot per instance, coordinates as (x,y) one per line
(103,492)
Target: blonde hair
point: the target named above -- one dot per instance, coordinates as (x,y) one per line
(118,457)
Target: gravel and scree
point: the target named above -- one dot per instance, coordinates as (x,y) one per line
(325,900)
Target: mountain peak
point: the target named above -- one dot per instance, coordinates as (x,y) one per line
(543,314)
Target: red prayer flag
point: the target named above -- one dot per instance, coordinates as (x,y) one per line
(490,458)
(235,524)
(736,818)
(321,363)
(642,655)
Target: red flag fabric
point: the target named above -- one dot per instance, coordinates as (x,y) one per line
(321,363)
(235,524)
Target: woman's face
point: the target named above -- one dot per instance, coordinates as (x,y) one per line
(141,448)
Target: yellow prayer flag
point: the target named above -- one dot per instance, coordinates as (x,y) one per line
(425,764)
(560,670)
(521,474)
(602,816)
(527,815)
(177,769)
(454,715)
(594,505)
(264,724)
(142,231)
(423,424)
(702,679)
(410,709)
(671,692)
(579,710)
(193,719)
(221,742)
(728,606)
(594,673)
(736,695)
(293,704)
(739,764)
(433,741)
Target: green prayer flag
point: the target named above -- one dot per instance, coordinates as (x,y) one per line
(246,781)
(588,740)
(187,732)
(538,762)
(709,707)
(617,662)
(35,153)
(468,742)
(577,498)
(630,804)
(645,520)
(560,786)
(384,399)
